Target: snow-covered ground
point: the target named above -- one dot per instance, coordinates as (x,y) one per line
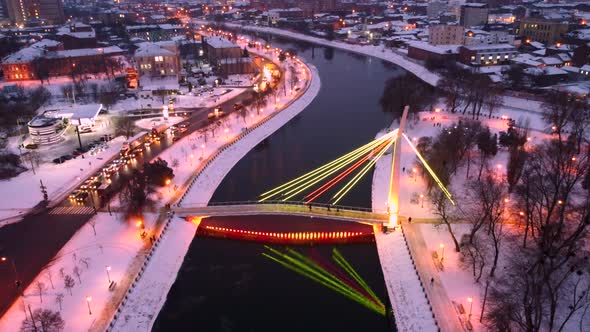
(149,295)
(115,244)
(23,192)
(408,300)
(150,123)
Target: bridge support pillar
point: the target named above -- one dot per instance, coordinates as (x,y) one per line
(394,179)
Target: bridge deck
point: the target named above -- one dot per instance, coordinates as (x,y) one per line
(284,209)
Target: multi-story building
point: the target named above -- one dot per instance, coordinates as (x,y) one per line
(473,14)
(29,62)
(542,30)
(21,11)
(446,34)
(480,37)
(485,55)
(227,56)
(435,8)
(160,59)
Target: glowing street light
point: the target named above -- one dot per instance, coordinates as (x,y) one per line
(108,274)
(421,200)
(442,254)
(88,299)
(16,281)
(414,171)
(470,300)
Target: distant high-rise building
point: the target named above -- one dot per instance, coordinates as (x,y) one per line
(473,14)
(20,11)
(446,34)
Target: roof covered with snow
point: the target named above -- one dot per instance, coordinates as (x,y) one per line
(152,49)
(219,42)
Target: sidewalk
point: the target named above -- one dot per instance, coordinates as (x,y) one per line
(439,300)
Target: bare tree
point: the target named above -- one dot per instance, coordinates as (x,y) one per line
(92,223)
(443,208)
(43,320)
(59,299)
(69,283)
(124,126)
(40,289)
(85,261)
(50,277)
(77,272)
(474,254)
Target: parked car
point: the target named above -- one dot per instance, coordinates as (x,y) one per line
(59,160)
(67,157)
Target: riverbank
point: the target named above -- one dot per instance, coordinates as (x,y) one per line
(150,291)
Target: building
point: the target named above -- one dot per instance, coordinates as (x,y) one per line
(33,62)
(425,52)
(158,59)
(155,32)
(20,11)
(484,55)
(473,14)
(481,37)
(77,35)
(446,34)
(220,48)
(542,30)
(435,8)
(45,130)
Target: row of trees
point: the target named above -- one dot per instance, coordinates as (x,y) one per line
(532,223)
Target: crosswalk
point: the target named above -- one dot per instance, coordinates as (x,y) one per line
(72,210)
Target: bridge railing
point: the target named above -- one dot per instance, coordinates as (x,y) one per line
(297,203)
(280,207)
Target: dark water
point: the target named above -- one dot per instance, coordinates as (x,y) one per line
(230,286)
(345,115)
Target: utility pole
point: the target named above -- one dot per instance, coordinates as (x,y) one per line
(43,191)
(78,132)
(32,319)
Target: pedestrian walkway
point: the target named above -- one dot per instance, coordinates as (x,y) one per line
(410,306)
(439,299)
(72,210)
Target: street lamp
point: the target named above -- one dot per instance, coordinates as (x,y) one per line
(421,200)
(414,171)
(88,299)
(470,300)
(442,254)
(108,275)
(16,281)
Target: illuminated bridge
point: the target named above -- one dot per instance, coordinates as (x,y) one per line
(299,197)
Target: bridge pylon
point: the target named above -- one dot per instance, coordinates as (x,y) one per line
(394,179)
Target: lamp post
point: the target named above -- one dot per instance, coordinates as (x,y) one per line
(422,200)
(414,171)
(16,280)
(442,254)
(470,300)
(88,299)
(108,274)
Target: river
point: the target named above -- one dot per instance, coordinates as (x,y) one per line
(227,285)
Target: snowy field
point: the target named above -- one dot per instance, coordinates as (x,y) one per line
(149,296)
(115,244)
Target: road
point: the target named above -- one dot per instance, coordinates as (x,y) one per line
(33,242)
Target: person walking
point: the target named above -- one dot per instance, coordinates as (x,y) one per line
(431,281)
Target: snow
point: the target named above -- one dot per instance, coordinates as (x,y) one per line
(149,123)
(22,192)
(408,300)
(376,51)
(116,244)
(149,294)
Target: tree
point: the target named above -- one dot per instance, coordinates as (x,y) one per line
(559,110)
(282,56)
(41,69)
(124,126)
(513,137)
(69,283)
(135,196)
(547,281)
(77,272)
(92,223)
(444,210)
(516,161)
(43,320)
(405,90)
(487,146)
(59,299)
(40,288)
(245,53)
(50,277)
(158,172)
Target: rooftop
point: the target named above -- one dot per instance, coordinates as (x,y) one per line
(219,42)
